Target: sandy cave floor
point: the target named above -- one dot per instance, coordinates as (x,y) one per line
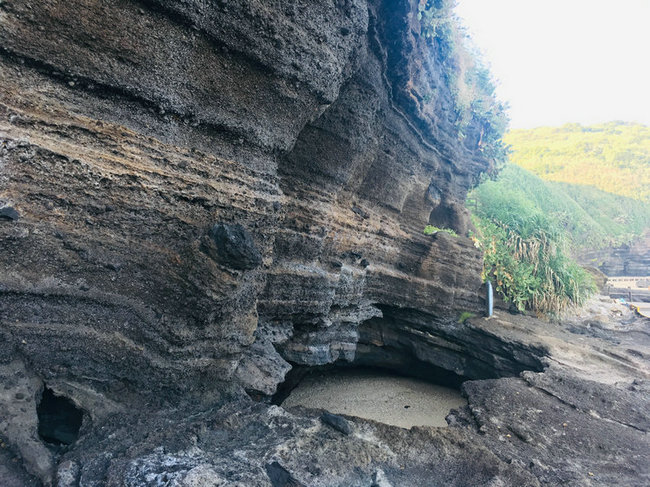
(377,395)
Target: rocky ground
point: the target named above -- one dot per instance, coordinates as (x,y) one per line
(198,199)
(583,422)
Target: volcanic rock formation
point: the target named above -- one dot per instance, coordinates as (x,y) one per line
(192,180)
(627,260)
(197,196)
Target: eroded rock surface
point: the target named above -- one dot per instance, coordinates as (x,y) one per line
(627,260)
(186,172)
(197,196)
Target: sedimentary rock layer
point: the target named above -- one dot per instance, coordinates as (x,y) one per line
(197,195)
(627,260)
(132,130)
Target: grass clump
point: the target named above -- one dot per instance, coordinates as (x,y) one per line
(527,249)
(465,315)
(430,230)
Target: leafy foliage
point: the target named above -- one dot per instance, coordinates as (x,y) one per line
(589,217)
(430,230)
(532,271)
(467,78)
(527,229)
(466,315)
(613,157)
(436,17)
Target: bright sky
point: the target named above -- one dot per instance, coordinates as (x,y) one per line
(559,61)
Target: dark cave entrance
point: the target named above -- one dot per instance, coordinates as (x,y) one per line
(59,420)
(411,355)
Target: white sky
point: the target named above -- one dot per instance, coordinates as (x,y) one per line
(559,61)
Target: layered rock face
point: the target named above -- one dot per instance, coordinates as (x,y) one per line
(141,142)
(196,196)
(626,260)
(188,186)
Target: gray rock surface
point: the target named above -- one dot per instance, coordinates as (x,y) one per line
(626,260)
(322,138)
(566,431)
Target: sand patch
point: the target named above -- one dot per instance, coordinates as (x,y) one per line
(377,395)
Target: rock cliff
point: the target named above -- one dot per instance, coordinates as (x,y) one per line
(627,260)
(197,196)
(144,142)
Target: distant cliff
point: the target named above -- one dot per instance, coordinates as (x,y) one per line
(624,260)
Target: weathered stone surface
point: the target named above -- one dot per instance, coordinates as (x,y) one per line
(626,260)
(18,421)
(236,444)
(417,343)
(12,471)
(562,435)
(261,367)
(337,422)
(280,476)
(124,144)
(127,129)
(233,246)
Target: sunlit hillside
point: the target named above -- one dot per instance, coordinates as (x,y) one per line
(531,229)
(613,157)
(587,216)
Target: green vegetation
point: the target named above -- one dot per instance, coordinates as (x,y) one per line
(436,17)
(597,195)
(464,316)
(588,217)
(430,230)
(613,157)
(526,242)
(599,179)
(467,79)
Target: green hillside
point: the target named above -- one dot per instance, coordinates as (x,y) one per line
(591,218)
(613,157)
(529,228)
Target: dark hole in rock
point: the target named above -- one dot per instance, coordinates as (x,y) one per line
(291,380)
(59,420)
(375,393)
(413,362)
(418,345)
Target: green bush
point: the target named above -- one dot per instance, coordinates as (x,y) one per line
(526,247)
(430,230)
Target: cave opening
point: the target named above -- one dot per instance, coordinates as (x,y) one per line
(407,364)
(387,395)
(59,420)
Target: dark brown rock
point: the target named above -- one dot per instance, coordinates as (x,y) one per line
(234,247)
(129,128)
